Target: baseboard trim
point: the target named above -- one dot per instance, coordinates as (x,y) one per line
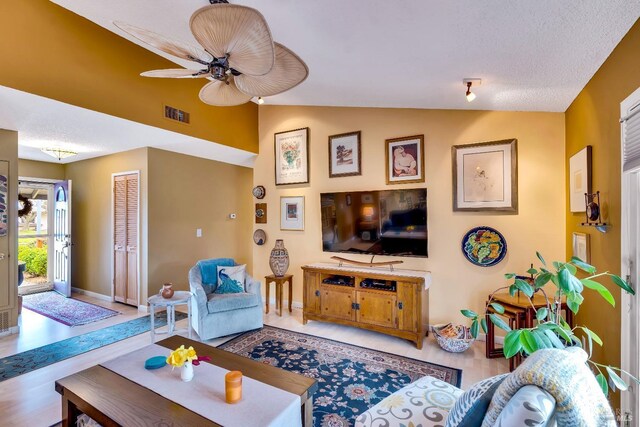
(285,303)
(95,295)
(12,330)
(143,308)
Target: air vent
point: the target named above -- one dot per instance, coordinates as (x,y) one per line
(4,321)
(175,114)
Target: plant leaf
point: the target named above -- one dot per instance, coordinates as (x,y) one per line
(588,268)
(554,339)
(541,259)
(541,339)
(513,290)
(572,268)
(592,335)
(469,313)
(497,307)
(602,381)
(532,271)
(564,280)
(509,275)
(541,314)
(512,345)
(524,287)
(483,324)
(542,280)
(557,265)
(499,322)
(617,381)
(601,289)
(474,328)
(624,285)
(529,344)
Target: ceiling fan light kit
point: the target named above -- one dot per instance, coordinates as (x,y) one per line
(59,153)
(237,51)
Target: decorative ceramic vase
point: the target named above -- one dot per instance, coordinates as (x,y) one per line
(279,259)
(167,291)
(186,372)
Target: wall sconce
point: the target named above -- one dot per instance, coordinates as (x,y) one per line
(468,83)
(367,212)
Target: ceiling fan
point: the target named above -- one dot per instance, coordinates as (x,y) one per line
(237,54)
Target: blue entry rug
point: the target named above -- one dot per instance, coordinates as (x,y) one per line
(30,360)
(351,379)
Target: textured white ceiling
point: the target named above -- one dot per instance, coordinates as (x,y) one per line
(532,55)
(43,123)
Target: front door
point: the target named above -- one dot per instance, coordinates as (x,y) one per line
(62,238)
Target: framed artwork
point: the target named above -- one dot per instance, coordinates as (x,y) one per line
(582,247)
(292,213)
(579,178)
(292,156)
(485,176)
(345,158)
(405,159)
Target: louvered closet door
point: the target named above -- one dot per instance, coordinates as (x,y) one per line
(125,239)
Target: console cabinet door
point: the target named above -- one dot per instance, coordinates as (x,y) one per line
(337,303)
(311,292)
(408,316)
(377,309)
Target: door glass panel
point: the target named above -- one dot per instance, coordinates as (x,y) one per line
(34,233)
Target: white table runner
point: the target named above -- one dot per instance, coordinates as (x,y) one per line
(261,404)
(426,275)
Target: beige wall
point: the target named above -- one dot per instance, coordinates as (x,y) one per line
(593,119)
(91,217)
(540,224)
(8,290)
(186,193)
(35,169)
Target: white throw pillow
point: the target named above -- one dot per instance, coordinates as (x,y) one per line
(236,274)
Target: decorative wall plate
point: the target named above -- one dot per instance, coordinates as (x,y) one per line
(261,213)
(484,246)
(259,192)
(259,237)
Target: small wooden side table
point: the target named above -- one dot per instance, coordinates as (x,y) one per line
(279,281)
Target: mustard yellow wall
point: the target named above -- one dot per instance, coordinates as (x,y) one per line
(35,169)
(540,224)
(91,218)
(593,119)
(186,193)
(49,51)
(8,290)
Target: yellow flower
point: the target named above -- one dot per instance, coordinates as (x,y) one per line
(179,356)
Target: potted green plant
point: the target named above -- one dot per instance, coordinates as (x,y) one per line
(550,329)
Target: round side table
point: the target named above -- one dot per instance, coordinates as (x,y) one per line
(179,297)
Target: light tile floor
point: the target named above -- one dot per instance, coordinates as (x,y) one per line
(30,399)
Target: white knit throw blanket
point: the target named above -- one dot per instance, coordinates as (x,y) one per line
(565,375)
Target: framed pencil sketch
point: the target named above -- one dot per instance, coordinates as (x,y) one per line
(582,247)
(404,158)
(345,158)
(485,176)
(292,213)
(579,178)
(292,156)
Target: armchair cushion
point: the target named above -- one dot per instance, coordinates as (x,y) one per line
(218,303)
(471,407)
(209,271)
(530,406)
(230,279)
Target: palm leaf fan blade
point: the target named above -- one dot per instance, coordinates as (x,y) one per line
(172,47)
(175,73)
(237,32)
(287,72)
(221,94)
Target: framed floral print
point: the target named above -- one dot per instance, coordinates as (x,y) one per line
(292,156)
(345,155)
(485,176)
(405,159)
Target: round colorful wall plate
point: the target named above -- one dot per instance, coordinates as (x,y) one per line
(484,246)
(259,237)
(258,191)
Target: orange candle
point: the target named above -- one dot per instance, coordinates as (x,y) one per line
(233,386)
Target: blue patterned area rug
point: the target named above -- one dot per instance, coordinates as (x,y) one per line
(351,379)
(30,360)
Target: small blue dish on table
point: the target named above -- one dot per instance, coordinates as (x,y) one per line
(155,362)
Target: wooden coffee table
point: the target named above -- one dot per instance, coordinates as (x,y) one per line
(113,400)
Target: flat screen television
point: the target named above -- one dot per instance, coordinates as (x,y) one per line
(386,222)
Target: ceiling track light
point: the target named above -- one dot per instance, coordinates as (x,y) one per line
(469,82)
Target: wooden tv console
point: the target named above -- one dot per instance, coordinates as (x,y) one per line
(396,303)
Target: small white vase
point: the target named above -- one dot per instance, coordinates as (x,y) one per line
(186,372)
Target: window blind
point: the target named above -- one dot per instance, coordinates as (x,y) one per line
(631,139)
